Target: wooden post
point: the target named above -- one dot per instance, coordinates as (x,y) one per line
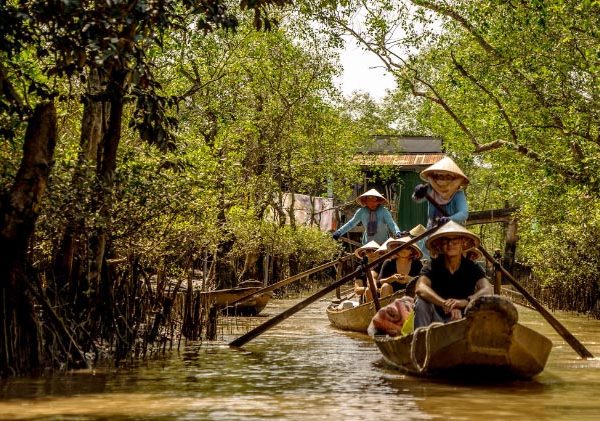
(511,244)
(211,326)
(338,275)
(266,269)
(204,270)
(371,284)
(498,282)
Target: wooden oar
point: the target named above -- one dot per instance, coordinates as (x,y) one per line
(372,286)
(558,327)
(351,242)
(294,309)
(304,303)
(253,294)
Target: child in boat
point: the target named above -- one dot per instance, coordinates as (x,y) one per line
(361,286)
(397,271)
(445,184)
(375,218)
(451,280)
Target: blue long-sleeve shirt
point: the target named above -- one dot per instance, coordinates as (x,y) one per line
(386,226)
(457,209)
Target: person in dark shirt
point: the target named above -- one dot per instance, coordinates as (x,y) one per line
(396,272)
(361,288)
(450,281)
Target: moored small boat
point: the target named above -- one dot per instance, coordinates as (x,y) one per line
(488,343)
(250,307)
(356,319)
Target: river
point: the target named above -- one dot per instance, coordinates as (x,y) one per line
(303,369)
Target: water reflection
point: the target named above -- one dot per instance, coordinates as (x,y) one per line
(305,369)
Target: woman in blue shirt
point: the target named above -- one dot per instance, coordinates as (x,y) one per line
(445,184)
(375,218)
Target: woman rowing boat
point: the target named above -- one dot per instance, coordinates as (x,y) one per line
(376,219)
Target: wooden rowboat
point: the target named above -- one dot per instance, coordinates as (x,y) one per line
(488,343)
(356,319)
(251,307)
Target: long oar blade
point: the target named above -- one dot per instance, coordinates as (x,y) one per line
(302,304)
(558,326)
(560,329)
(294,309)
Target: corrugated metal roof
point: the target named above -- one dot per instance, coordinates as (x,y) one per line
(398,160)
(382,144)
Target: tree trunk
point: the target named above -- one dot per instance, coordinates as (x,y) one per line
(20,334)
(100,288)
(225,272)
(70,258)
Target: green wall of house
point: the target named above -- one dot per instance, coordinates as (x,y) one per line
(409,213)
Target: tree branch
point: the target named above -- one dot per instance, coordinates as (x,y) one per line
(499,106)
(486,46)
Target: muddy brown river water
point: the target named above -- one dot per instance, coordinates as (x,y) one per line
(303,369)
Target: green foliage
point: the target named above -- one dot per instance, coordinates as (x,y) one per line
(520,92)
(374,117)
(263,118)
(562,249)
(199,131)
(253,236)
(511,87)
(67,39)
(253,122)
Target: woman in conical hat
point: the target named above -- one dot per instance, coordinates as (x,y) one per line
(397,271)
(370,251)
(446,166)
(435,242)
(445,183)
(369,195)
(376,219)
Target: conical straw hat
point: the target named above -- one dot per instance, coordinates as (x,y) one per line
(417,230)
(384,247)
(370,247)
(413,246)
(371,193)
(454,229)
(474,254)
(392,243)
(444,165)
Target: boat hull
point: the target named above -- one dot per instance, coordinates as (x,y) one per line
(357,319)
(223,297)
(488,341)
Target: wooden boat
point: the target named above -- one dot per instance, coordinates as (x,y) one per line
(356,319)
(487,344)
(251,307)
